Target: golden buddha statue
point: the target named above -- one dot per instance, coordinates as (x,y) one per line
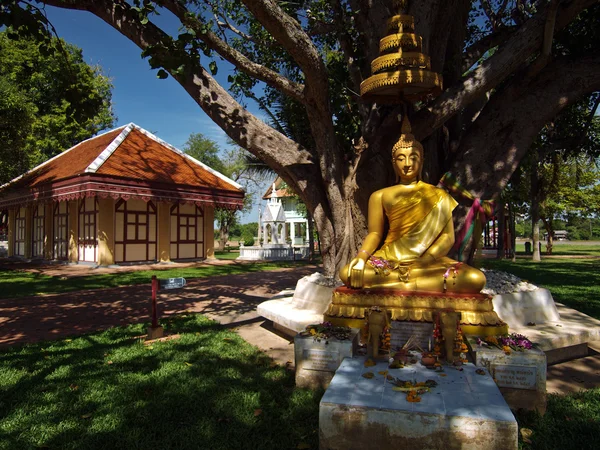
(407,271)
(421,233)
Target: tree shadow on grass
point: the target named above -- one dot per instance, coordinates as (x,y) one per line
(207,389)
(571,421)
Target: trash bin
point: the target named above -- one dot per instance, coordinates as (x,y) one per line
(528,248)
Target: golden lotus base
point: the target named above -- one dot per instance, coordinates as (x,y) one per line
(349,307)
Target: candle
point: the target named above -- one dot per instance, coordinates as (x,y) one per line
(430,344)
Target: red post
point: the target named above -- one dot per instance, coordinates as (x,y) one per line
(154,311)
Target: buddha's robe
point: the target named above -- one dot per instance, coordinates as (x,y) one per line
(415,222)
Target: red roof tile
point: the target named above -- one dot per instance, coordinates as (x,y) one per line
(69,163)
(145,159)
(139,157)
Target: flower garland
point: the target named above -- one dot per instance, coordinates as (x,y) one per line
(508,343)
(326,331)
(381,266)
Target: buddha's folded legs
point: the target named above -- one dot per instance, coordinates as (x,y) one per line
(444,275)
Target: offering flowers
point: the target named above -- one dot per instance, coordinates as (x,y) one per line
(326,331)
(511,342)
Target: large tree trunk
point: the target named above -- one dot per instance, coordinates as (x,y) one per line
(535,207)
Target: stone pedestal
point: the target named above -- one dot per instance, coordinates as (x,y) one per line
(521,376)
(464,411)
(317,361)
(477,311)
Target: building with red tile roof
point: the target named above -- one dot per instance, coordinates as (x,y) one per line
(122,196)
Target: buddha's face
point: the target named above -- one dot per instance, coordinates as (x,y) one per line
(407,164)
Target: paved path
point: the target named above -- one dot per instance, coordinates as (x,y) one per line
(230,299)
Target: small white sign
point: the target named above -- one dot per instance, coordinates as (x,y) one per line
(517,377)
(320,360)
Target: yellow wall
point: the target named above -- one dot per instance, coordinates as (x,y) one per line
(106,231)
(164,231)
(11,232)
(48,241)
(209,232)
(73,231)
(28,230)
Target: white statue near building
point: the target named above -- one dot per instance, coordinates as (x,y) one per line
(282,228)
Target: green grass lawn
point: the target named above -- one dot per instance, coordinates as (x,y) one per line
(209,389)
(227,254)
(571,422)
(18,283)
(561,248)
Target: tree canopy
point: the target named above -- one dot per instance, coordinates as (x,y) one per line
(233,164)
(509,67)
(50,100)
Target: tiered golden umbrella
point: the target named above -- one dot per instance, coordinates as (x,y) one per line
(401,72)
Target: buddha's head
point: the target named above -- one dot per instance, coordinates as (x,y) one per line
(407,156)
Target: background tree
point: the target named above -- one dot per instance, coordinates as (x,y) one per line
(233,164)
(501,61)
(557,176)
(50,100)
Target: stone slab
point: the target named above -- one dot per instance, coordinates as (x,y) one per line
(465,411)
(400,332)
(573,329)
(317,361)
(521,308)
(521,376)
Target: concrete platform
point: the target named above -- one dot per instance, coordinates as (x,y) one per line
(465,411)
(565,339)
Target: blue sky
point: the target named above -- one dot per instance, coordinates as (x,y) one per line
(160,106)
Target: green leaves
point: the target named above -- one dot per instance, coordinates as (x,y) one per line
(50,99)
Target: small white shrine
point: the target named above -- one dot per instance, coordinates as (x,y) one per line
(282,228)
(273,222)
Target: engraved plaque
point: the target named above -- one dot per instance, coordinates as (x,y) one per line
(402,331)
(517,377)
(320,360)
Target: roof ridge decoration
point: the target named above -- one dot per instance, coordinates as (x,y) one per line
(108,151)
(55,157)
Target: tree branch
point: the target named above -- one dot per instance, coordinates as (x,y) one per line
(294,40)
(476,50)
(295,165)
(520,46)
(346,46)
(507,124)
(236,58)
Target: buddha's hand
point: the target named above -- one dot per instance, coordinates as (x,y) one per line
(356,270)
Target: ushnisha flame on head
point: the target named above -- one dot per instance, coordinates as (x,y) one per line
(407,140)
